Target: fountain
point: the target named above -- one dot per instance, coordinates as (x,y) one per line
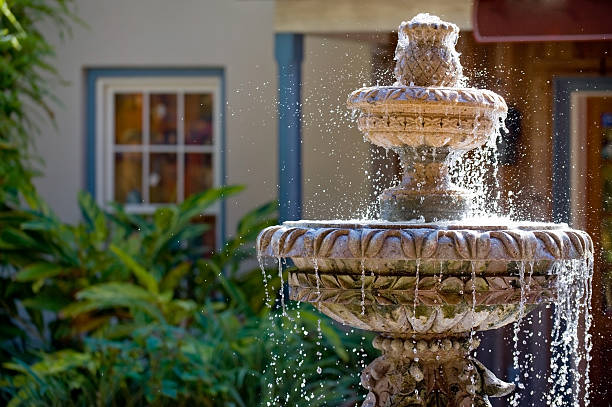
(424,277)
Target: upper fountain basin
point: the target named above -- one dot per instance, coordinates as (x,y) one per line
(416,116)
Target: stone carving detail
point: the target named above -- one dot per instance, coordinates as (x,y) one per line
(377,98)
(426,110)
(436,373)
(425,54)
(414,130)
(440,320)
(432,290)
(423,243)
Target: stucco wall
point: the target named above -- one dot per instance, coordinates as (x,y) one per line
(334,153)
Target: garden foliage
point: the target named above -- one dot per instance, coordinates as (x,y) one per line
(128,310)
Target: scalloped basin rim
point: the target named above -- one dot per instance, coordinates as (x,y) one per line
(386,242)
(443,225)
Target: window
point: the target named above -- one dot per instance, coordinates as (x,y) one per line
(157,141)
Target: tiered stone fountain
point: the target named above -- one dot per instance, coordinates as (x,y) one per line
(425,285)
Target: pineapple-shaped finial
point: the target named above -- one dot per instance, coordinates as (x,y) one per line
(425,54)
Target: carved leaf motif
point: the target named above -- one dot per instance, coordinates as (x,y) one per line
(408,244)
(309,242)
(510,244)
(366,237)
(382,283)
(430,245)
(422,243)
(527,241)
(578,243)
(377,241)
(278,239)
(354,242)
(346,281)
(319,236)
(263,240)
(549,243)
(403,283)
(471,237)
(451,284)
(483,245)
(461,245)
(567,245)
(328,280)
(395,94)
(560,241)
(293,235)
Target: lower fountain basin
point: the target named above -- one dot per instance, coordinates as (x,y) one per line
(402,279)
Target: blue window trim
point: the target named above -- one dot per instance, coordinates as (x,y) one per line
(563,87)
(91,77)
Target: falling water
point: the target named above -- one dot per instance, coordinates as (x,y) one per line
(282,286)
(315,264)
(571,322)
(472,332)
(516,353)
(416,286)
(363,276)
(265,279)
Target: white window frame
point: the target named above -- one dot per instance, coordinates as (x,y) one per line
(106,89)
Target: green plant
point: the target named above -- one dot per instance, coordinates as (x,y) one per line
(142,317)
(56,263)
(25,74)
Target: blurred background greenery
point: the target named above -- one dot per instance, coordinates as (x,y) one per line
(126,310)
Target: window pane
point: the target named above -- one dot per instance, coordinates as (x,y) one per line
(128,118)
(128,178)
(162,178)
(198,118)
(163,118)
(199,174)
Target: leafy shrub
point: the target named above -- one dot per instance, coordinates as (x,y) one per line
(140,317)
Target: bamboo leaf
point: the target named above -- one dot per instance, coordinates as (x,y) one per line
(174,276)
(38,271)
(111,295)
(142,275)
(93,216)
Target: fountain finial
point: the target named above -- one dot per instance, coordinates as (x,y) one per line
(425,54)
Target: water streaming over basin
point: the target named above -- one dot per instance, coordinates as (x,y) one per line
(466,284)
(437,268)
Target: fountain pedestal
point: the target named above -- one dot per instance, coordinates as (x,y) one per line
(429,372)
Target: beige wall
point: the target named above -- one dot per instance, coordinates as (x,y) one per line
(335,155)
(339,16)
(235,35)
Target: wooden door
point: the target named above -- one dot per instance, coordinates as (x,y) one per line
(596,125)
